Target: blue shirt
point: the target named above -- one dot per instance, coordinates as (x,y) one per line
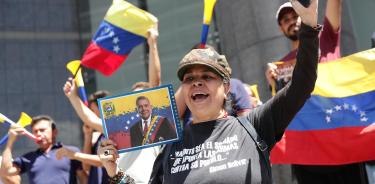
(97,175)
(45,168)
(239,96)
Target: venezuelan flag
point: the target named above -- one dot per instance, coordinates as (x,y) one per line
(124,27)
(75,69)
(23,121)
(336,125)
(207,16)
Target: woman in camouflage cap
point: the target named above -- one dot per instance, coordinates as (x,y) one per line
(216,148)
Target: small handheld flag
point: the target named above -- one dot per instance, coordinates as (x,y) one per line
(24,121)
(75,68)
(123,28)
(4,119)
(207,16)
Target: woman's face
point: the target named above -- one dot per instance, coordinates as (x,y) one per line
(204,92)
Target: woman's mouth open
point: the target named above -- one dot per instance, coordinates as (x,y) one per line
(198,97)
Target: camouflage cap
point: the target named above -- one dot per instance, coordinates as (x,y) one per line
(208,57)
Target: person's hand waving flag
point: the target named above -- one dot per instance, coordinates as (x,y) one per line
(24,121)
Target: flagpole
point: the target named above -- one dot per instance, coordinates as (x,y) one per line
(75,74)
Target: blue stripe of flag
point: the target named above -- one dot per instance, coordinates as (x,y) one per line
(82,94)
(4,139)
(205,29)
(115,39)
(6,122)
(320,113)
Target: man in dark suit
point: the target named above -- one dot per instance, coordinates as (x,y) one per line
(150,128)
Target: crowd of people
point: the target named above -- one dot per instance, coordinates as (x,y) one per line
(224,120)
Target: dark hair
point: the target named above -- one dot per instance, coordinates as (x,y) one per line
(283,12)
(36,120)
(96,95)
(142,85)
(141,98)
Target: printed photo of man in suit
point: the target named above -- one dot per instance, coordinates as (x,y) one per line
(151,128)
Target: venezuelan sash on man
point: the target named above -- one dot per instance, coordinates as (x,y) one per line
(336,125)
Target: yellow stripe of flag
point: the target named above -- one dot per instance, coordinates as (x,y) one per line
(130,18)
(24,120)
(73,66)
(254,89)
(208,9)
(348,76)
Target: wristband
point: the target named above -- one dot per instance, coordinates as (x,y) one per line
(121,178)
(318,27)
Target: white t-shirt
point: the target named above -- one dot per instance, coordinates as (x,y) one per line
(138,164)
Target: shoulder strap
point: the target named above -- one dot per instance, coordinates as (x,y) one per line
(261,144)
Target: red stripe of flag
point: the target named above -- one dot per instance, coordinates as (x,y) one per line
(100,59)
(325,147)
